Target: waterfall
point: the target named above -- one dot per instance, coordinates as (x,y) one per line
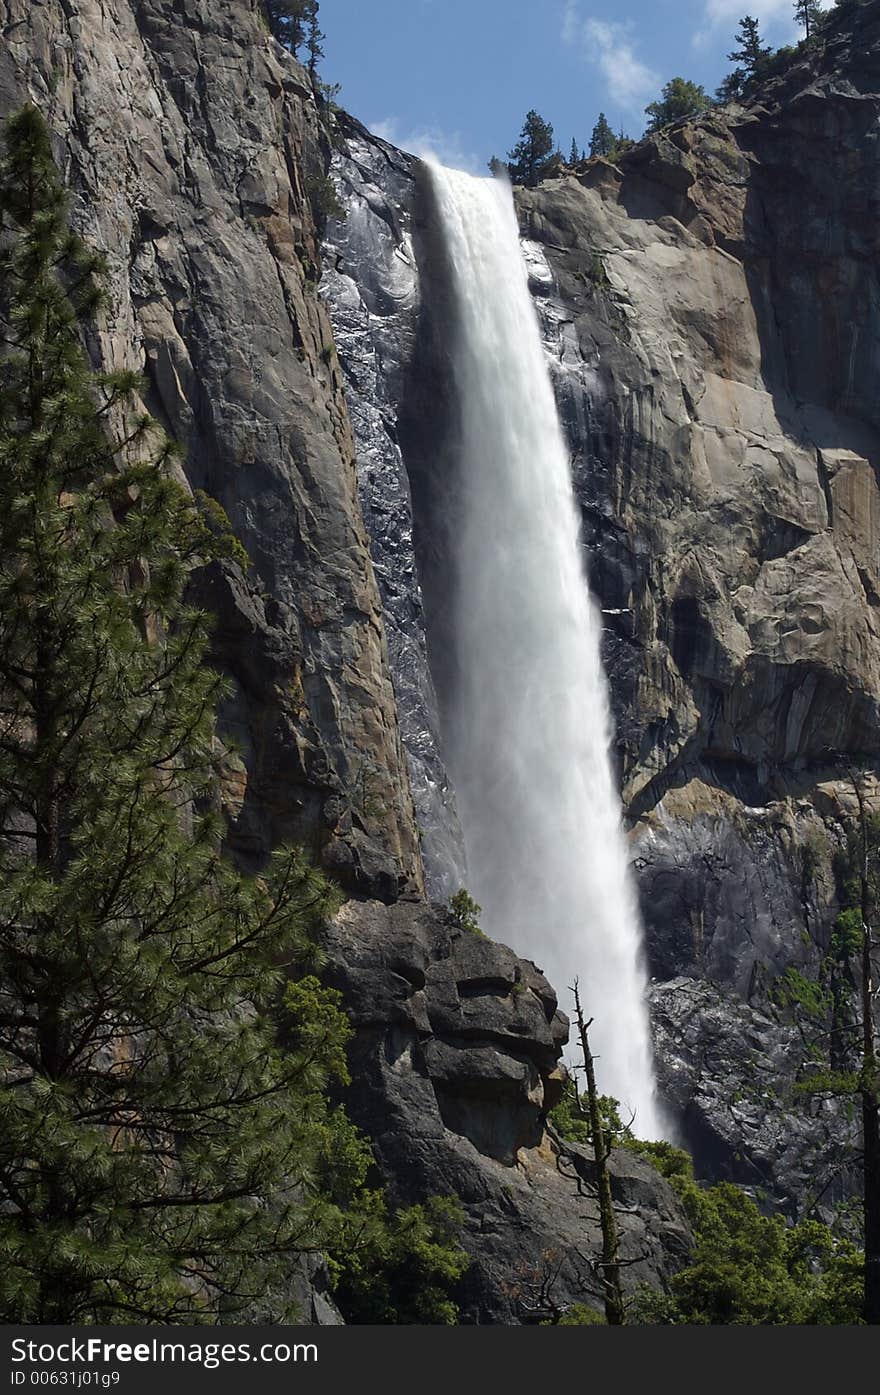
(528,721)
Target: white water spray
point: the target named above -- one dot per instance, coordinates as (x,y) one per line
(529,731)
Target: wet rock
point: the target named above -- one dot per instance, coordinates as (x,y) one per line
(728,1069)
(371,286)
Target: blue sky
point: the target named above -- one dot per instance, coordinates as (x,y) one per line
(457,76)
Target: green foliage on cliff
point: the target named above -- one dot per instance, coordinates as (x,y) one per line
(581,1315)
(464,912)
(287,21)
(324,200)
(808,14)
(754,1270)
(668,1160)
(680,98)
(602,141)
(296,25)
(824,1006)
(571,1118)
(749,52)
(404,1267)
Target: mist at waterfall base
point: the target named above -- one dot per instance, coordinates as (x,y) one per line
(528,726)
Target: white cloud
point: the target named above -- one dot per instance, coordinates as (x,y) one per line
(776,14)
(631,83)
(446,146)
(571,22)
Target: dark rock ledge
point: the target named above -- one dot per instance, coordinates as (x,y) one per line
(456,1060)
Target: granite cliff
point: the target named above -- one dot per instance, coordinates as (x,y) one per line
(193,145)
(708,307)
(709,311)
(196,152)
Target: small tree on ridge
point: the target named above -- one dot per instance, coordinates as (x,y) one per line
(602,141)
(533,153)
(680,98)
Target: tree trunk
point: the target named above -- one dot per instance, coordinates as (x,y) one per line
(614,1306)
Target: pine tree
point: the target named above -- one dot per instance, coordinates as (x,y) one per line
(288,21)
(750,54)
(534,154)
(314,39)
(166,1148)
(602,141)
(497,167)
(679,99)
(573,156)
(809,14)
(731,87)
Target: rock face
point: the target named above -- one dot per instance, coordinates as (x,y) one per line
(456,1061)
(710,311)
(195,152)
(371,287)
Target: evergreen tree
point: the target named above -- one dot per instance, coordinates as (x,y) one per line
(602,140)
(747,1269)
(862,929)
(166,1148)
(498,167)
(314,40)
(731,87)
(809,14)
(402,1275)
(288,21)
(679,99)
(533,155)
(750,54)
(573,156)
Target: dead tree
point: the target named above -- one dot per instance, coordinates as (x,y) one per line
(610,1262)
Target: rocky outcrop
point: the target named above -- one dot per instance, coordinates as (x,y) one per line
(456,1062)
(727,1067)
(195,151)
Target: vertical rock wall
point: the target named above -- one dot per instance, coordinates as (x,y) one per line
(710,310)
(195,152)
(371,287)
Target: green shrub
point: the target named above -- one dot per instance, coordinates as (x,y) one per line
(581,1315)
(571,1118)
(748,1269)
(403,1271)
(464,912)
(665,1157)
(324,200)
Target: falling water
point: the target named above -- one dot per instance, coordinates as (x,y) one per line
(529,725)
